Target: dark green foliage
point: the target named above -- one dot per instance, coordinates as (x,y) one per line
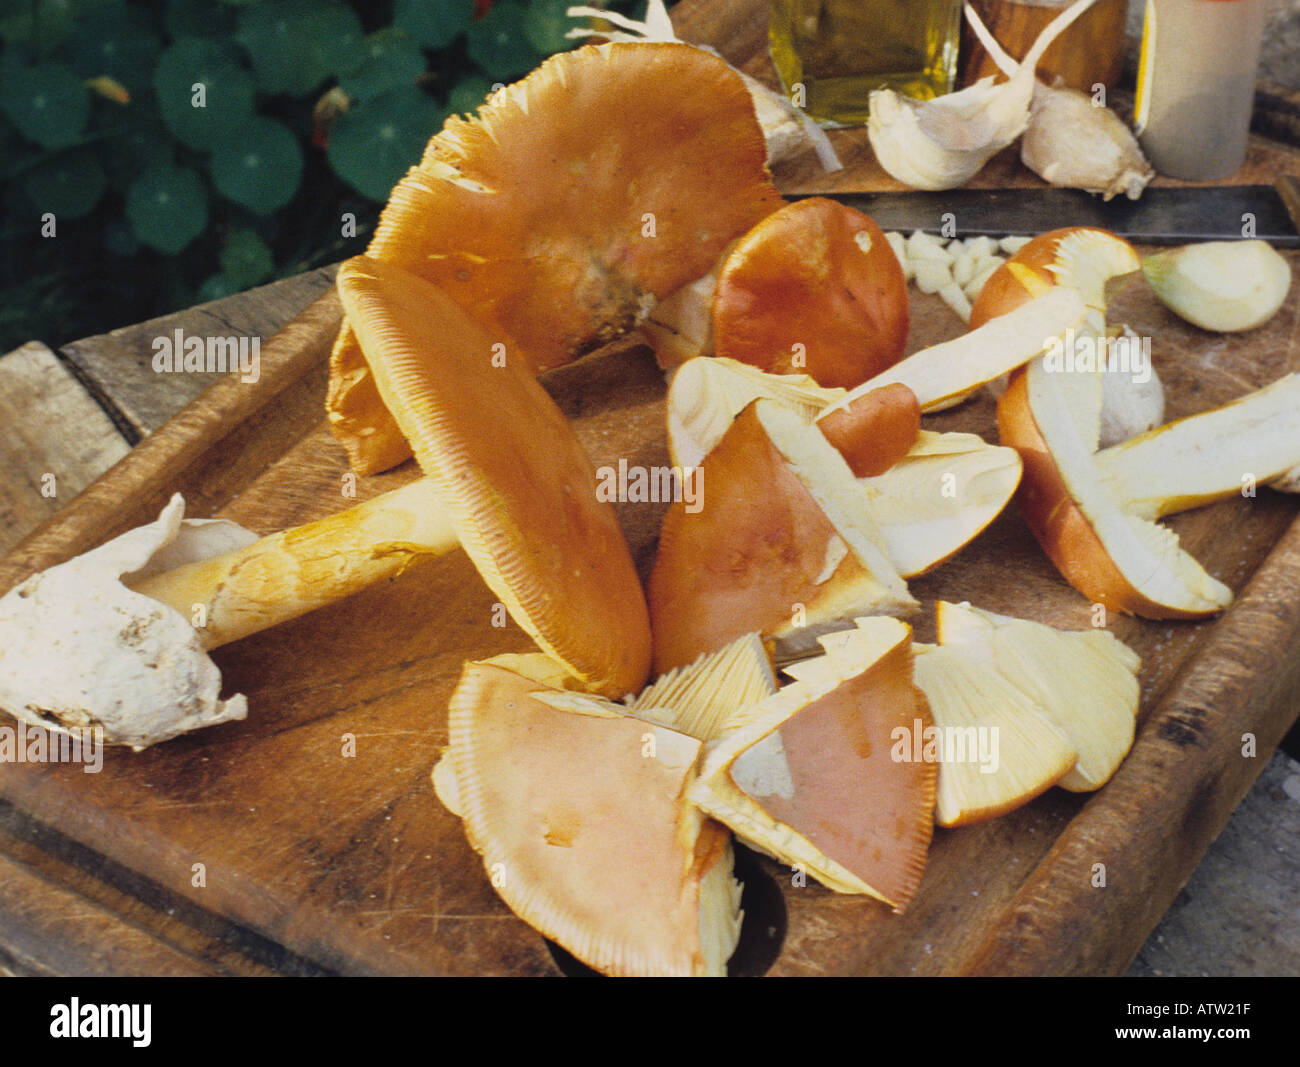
(188,149)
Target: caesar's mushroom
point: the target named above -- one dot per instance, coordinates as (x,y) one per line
(1085,681)
(1093,515)
(606,179)
(809,775)
(935,493)
(813,288)
(780,540)
(528,517)
(579,809)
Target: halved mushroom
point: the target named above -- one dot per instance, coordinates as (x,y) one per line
(559,215)
(781,542)
(1092,517)
(1085,681)
(581,816)
(810,776)
(813,288)
(928,503)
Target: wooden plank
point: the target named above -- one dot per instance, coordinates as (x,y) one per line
(57,440)
(118,366)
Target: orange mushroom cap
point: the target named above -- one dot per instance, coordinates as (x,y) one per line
(607,178)
(813,288)
(520,490)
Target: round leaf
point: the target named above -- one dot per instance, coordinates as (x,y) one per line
(546,23)
(168,208)
(118,42)
(296,44)
(198,18)
(246,260)
(433,23)
(69,184)
(203,94)
(260,167)
(468,95)
(392,58)
(47,103)
(497,43)
(378,140)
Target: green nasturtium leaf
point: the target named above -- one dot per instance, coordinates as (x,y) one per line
(546,23)
(120,239)
(140,143)
(259,167)
(378,140)
(167,207)
(47,102)
(68,184)
(468,95)
(498,44)
(246,260)
(296,44)
(115,41)
(203,94)
(433,23)
(392,58)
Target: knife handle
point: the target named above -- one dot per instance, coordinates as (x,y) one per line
(1288,188)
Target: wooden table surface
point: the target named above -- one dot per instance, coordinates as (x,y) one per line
(69,416)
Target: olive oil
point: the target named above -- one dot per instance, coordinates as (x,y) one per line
(831,54)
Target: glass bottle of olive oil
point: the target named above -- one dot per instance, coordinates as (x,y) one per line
(830,54)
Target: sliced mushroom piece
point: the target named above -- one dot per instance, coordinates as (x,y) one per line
(1085,681)
(1215,455)
(946,373)
(582,819)
(928,503)
(1109,554)
(996,748)
(780,541)
(811,779)
(558,216)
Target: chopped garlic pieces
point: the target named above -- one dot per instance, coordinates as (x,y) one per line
(954,269)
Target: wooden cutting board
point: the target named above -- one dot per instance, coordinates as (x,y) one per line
(349,861)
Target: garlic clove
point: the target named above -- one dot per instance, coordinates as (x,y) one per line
(1225,286)
(1073,142)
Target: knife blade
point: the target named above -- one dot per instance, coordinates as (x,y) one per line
(1164,215)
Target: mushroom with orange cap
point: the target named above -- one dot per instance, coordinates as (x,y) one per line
(557,217)
(814,288)
(528,517)
(579,806)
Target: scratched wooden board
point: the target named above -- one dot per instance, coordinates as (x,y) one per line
(351,863)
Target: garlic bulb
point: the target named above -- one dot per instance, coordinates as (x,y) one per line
(944,142)
(786,129)
(1074,142)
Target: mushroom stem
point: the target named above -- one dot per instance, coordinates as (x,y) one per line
(1207,457)
(290,573)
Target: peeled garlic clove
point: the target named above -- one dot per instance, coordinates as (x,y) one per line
(1073,142)
(1224,286)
